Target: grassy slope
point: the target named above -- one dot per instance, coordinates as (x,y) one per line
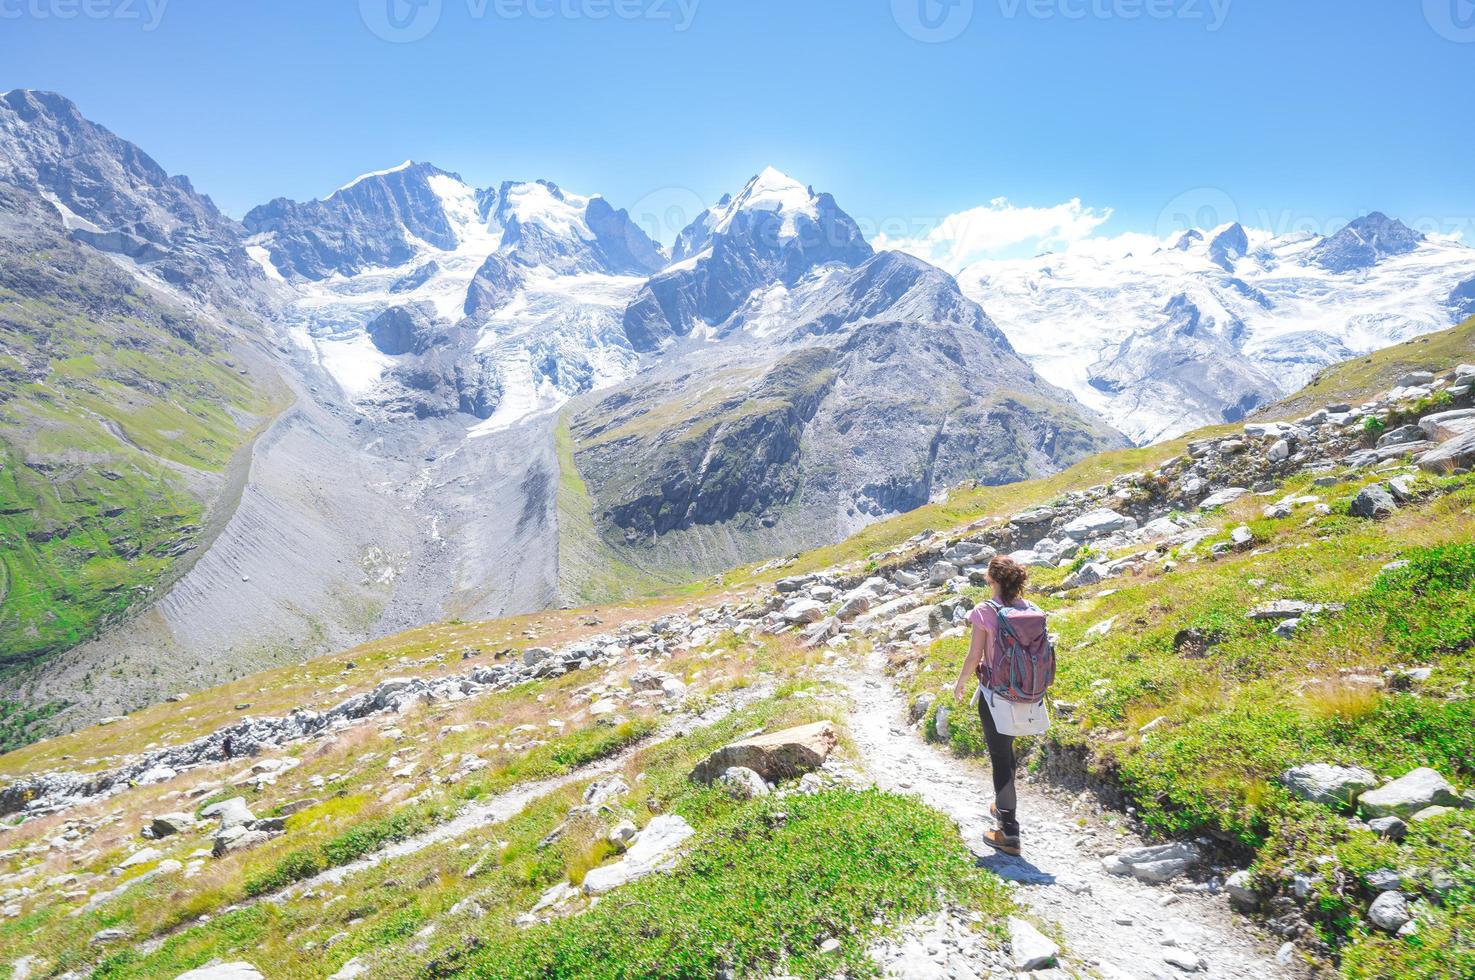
(116,413)
(590,570)
(904,858)
(1351,381)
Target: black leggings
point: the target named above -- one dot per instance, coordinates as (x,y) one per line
(1001,760)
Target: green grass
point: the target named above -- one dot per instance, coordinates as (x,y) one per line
(116,409)
(765,885)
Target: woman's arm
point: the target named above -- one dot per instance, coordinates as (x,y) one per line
(970,663)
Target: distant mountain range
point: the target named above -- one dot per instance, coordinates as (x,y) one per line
(421,399)
(1224,320)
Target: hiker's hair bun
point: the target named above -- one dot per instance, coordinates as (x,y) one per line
(1009,575)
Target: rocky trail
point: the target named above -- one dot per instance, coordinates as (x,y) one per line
(1113,926)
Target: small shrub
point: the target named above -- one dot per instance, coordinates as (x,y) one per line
(296,866)
(1340,701)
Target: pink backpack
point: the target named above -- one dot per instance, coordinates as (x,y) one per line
(1026,659)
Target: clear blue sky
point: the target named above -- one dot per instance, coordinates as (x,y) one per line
(1290,108)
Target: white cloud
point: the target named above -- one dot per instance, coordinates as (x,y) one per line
(998,228)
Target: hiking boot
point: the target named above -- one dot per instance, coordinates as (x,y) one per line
(1002,842)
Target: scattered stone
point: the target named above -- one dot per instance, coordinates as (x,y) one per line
(1097,524)
(941,722)
(1408,794)
(1029,949)
(1223,498)
(169,824)
(651,850)
(623,834)
(1090,573)
(941,573)
(601,791)
(1242,895)
(1390,827)
(1155,863)
(223,971)
(1389,911)
(1374,502)
(742,783)
(1384,880)
(803,611)
(143,856)
(231,813)
(1329,785)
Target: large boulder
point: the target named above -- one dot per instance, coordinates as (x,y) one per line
(1443,426)
(1408,794)
(1457,453)
(775,756)
(1097,524)
(1333,786)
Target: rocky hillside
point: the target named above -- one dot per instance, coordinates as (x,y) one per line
(1259,768)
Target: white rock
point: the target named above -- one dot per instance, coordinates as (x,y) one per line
(1408,794)
(1096,524)
(1333,786)
(652,850)
(1226,496)
(803,611)
(742,783)
(223,971)
(1028,948)
(1389,911)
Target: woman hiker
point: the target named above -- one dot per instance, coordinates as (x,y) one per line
(1013,660)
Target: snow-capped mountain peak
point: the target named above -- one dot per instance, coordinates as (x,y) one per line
(1365,242)
(375,173)
(770,190)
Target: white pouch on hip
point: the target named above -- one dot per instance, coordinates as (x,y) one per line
(1012,718)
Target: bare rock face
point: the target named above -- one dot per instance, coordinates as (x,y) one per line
(775,756)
